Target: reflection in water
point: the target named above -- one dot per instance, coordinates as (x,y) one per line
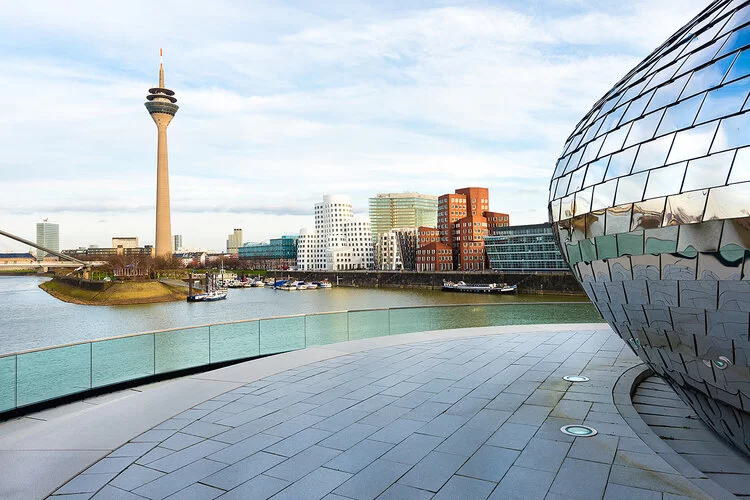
(31,318)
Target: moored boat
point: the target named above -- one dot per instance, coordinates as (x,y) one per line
(449,286)
(198,297)
(215,295)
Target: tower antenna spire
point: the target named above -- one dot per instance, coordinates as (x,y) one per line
(160,103)
(161,68)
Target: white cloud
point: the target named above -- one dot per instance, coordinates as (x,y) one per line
(280,105)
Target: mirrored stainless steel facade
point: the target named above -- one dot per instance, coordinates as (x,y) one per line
(650,201)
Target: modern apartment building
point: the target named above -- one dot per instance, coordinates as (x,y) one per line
(464,220)
(395,250)
(435,256)
(339,240)
(234,241)
(47,236)
(427,235)
(528,248)
(395,210)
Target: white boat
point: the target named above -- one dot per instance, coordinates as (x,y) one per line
(219,294)
(286,286)
(323,284)
(311,286)
(301,285)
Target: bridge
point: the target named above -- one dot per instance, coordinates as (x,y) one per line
(68,261)
(46,265)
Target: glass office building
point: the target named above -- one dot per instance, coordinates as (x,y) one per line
(47,236)
(529,248)
(277,248)
(395,210)
(650,200)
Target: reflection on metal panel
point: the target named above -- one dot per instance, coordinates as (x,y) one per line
(651,204)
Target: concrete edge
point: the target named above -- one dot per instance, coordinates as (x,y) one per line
(622,392)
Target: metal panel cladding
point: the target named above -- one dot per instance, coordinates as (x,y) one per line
(650,202)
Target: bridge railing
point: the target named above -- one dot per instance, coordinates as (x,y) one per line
(40,375)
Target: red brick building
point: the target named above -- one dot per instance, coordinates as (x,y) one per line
(464,219)
(434,256)
(427,235)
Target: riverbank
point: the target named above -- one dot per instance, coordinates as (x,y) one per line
(114,294)
(18,272)
(563,283)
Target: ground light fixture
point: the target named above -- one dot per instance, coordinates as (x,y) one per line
(578,430)
(576,378)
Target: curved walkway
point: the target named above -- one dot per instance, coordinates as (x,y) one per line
(472,413)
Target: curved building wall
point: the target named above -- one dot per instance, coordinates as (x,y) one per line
(650,201)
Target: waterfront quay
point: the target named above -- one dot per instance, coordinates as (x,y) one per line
(466,413)
(528,283)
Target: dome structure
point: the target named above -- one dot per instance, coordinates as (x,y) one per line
(650,201)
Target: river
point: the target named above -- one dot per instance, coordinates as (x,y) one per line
(31,318)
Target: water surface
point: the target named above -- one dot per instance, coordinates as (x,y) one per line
(31,318)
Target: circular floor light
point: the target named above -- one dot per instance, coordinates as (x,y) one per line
(576,378)
(578,430)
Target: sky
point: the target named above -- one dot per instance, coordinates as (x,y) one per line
(282,102)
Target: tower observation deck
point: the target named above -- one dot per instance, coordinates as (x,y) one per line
(162,108)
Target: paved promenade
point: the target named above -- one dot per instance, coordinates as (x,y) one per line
(471,413)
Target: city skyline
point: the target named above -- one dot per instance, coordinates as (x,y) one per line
(283,104)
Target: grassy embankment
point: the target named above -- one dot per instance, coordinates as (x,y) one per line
(131,292)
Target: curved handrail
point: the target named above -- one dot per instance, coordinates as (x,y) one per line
(250,320)
(45,374)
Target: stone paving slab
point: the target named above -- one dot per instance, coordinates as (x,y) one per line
(455,417)
(471,391)
(719,461)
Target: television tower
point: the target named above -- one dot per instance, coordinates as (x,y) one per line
(162,108)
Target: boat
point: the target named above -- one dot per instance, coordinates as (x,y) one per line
(219,294)
(257,283)
(197,297)
(323,284)
(460,286)
(287,285)
(301,285)
(311,286)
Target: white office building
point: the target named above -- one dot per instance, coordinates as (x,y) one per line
(47,236)
(339,241)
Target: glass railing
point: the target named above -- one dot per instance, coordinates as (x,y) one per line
(40,375)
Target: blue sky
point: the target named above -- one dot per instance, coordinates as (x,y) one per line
(283,102)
